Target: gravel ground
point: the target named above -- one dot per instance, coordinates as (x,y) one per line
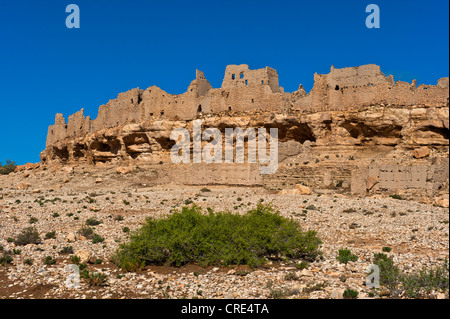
(62,201)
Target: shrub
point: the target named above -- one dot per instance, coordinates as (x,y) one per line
(97,239)
(94,278)
(126,230)
(66,250)
(33,220)
(426,280)
(93,222)
(345,255)
(75,259)
(389,273)
(50,235)
(283,293)
(98,261)
(414,285)
(290,276)
(6,259)
(395,196)
(302,265)
(28,236)
(28,261)
(87,232)
(387,249)
(49,260)
(350,294)
(8,168)
(205,190)
(217,239)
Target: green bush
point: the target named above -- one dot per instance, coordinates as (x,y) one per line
(345,255)
(50,235)
(350,294)
(389,273)
(49,260)
(94,278)
(415,285)
(420,284)
(97,239)
(28,236)
(6,259)
(87,232)
(8,168)
(66,250)
(221,238)
(93,222)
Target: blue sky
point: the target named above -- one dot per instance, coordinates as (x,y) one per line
(46,68)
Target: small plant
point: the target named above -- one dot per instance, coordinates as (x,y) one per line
(98,261)
(49,260)
(290,276)
(126,230)
(395,196)
(94,278)
(93,222)
(75,259)
(126,202)
(50,235)
(97,239)
(33,220)
(55,215)
(28,261)
(6,259)
(205,190)
(17,251)
(28,236)
(302,265)
(350,294)
(283,293)
(387,249)
(389,273)
(66,250)
(87,232)
(345,255)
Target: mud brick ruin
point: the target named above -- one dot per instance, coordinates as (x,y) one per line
(356,131)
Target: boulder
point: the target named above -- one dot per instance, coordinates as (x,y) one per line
(303,190)
(124,170)
(24,186)
(84,255)
(421,152)
(442,201)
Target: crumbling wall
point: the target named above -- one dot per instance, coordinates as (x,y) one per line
(246,91)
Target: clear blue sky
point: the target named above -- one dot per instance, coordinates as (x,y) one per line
(46,68)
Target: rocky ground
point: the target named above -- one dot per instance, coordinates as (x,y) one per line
(61,201)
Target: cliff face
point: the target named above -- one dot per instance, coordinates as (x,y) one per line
(354,121)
